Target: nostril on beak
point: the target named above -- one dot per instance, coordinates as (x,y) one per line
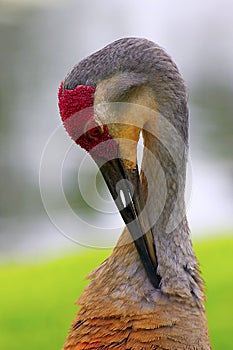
(122,196)
(125,192)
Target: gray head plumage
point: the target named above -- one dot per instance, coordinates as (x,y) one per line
(149,63)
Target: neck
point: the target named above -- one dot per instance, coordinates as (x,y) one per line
(163,178)
(163,181)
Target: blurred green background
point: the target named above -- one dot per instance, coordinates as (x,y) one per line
(42,267)
(37,300)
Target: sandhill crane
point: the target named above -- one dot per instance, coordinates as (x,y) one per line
(148,294)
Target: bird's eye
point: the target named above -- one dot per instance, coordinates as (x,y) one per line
(95,132)
(92,129)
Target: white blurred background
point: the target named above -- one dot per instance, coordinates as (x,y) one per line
(40,41)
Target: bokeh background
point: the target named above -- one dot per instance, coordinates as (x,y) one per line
(41,267)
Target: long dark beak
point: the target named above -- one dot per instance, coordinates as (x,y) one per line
(125,187)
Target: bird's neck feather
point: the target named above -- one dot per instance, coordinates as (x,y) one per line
(177,264)
(163,179)
(166,175)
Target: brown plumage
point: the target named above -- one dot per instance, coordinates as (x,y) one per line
(148,294)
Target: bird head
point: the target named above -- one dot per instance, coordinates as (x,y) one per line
(97,105)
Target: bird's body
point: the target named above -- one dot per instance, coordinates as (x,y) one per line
(148,294)
(120,310)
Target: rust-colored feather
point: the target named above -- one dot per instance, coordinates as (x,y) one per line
(157,322)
